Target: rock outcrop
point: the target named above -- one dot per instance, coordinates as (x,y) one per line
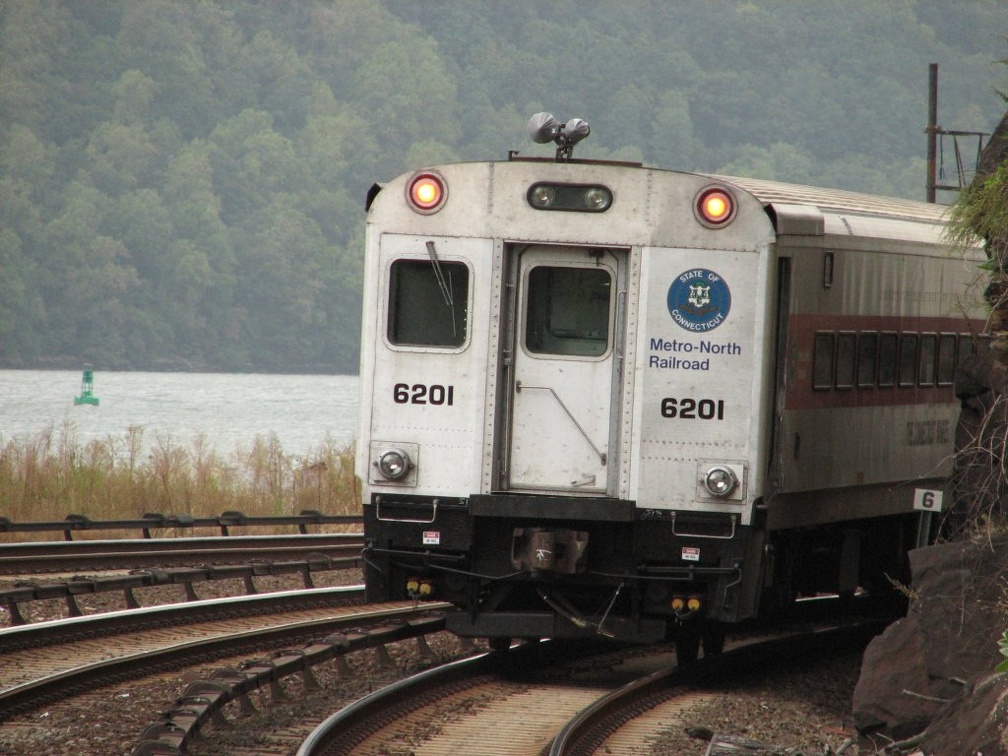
(927,682)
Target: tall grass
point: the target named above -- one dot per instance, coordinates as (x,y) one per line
(46,476)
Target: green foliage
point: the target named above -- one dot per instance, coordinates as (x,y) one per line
(1003,648)
(181,182)
(982,211)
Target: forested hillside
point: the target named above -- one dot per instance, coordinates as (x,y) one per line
(182,183)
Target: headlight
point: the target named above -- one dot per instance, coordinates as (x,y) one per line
(394,464)
(541,196)
(714,207)
(427,192)
(577,198)
(597,198)
(720,481)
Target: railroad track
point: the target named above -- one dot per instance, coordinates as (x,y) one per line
(48,662)
(41,661)
(36,557)
(269,703)
(308,663)
(527,702)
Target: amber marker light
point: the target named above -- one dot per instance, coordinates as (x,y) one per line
(427,192)
(715,207)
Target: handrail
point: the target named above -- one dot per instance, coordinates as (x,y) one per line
(519,387)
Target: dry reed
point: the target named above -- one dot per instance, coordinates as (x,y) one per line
(51,474)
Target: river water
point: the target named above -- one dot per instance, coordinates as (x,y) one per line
(226,411)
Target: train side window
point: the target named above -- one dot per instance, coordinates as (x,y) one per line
(966,347)
(887,359)
(946,358)
(568,311)
(970,344)
(846,363)
(822,360)
(908,359)
(926,356)
(428,304)
(867,360)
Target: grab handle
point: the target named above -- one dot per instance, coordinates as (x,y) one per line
(734,522)
(391,518)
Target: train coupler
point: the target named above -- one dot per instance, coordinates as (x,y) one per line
(558,550)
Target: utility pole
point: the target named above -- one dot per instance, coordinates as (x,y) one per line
(934,134)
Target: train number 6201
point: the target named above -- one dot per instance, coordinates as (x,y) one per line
(422,393)
(693,409)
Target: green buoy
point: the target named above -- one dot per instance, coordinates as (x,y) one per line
(87,388)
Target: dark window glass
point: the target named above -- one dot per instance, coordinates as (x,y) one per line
(867,360)
(970,344)
(908,359)
(946,358)
(822,360)
(887,359)
(926,355)
(428,303)
(846,351)
(966,347)
(567,311)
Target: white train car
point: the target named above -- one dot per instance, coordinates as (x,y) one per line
(607,399)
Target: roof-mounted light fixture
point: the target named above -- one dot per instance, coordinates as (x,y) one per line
(544,128)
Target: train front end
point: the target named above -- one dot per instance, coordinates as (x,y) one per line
(563,396)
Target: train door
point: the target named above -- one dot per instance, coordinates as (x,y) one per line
(565,368)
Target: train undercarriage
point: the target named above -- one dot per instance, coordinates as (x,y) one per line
(561,567)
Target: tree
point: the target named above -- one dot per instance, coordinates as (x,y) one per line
(980,476)
(981,211)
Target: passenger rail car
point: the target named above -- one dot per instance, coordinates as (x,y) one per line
(606,399)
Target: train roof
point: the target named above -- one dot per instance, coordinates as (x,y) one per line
(780,194)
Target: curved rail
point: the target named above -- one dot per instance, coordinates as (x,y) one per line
(28,591)
(160,654)
(55,632)
(586,732)
(585,691)
(345,730)
(203,700)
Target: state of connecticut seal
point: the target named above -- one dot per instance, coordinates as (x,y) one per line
(699,300)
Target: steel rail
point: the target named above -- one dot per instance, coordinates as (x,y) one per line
(342,732)
(346,728)
(203,700)
(67,556)
(56,632)
(586,732)
(31,695)
(27,591)
(153,521)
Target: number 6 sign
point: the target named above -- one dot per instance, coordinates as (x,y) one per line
(928,500)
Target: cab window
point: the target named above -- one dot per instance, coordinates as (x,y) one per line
(567,311)
(428,303)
